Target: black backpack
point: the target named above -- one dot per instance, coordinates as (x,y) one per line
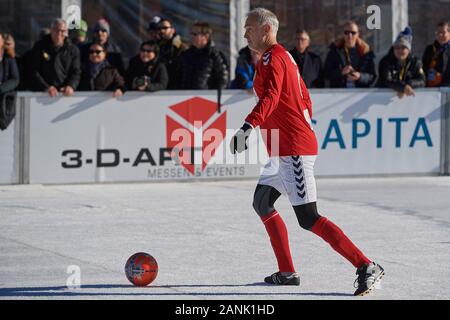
(7,109)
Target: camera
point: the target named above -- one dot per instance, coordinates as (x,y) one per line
(141,81)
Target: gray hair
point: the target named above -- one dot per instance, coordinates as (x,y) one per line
(57,22)
(263,17)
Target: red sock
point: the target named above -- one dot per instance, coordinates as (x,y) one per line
(331,233)
(279,239)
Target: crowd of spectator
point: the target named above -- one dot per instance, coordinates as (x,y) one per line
(62,62)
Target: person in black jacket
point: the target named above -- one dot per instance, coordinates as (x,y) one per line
(350,61)
(145,72)
(25,63)
(309,63)
(9,80)
(399,69)
(99,75)
(10,48)
(171,47)
(202,66)
(102,35)
(55,63)
(9,71)
(436,58)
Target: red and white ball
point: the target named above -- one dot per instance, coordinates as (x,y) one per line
(141,269)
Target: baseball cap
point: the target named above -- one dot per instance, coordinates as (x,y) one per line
(154,23)
(83,28)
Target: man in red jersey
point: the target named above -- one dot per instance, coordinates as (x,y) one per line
(284,106)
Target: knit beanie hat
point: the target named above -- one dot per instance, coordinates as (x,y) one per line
(102,24)
(404,38)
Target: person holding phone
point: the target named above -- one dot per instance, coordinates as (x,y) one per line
(350,61)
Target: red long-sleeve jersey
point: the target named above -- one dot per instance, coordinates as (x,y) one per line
(284,104)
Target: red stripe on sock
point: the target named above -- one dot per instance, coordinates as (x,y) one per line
(332,234)
(270,216)
(278,235)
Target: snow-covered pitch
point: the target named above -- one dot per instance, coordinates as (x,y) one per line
(210,244)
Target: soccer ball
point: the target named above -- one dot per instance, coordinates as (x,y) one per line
(141,269)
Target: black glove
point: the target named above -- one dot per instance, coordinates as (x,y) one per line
(239,140)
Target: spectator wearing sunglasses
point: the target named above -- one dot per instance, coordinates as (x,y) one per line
(99,75)
(102,35)
(145,72)
(171,47)
(202,66)
(436,58)
(55,63)
(309,63)
(350,61)
(399,69)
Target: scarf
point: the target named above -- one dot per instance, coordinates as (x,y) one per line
(96,68)
(444,47)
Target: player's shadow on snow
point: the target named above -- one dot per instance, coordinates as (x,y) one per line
(62,291)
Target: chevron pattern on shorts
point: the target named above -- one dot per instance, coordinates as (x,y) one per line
(299,177)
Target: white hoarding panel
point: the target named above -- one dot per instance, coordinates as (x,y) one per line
(97,138)
(377,133)
(8,174)
(101,139)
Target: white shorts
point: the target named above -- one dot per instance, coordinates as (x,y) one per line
(292,176)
